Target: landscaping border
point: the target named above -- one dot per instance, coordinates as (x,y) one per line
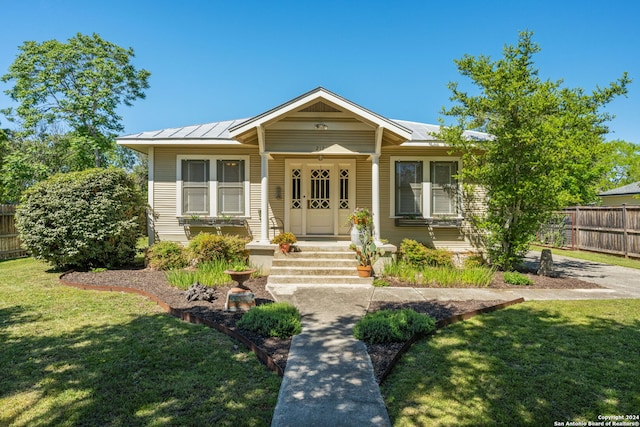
(441,324)
(184,316)
(262,355)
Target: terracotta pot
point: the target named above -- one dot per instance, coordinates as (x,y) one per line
(364,270)
(285,247)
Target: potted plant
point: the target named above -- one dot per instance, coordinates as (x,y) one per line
(367,252)
(240,273)
(284,240)
(361,217)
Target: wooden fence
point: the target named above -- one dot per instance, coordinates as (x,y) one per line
(9,239)
(607,229)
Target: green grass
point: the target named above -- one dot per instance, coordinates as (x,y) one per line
(440,276)
(71,357)
(208,273)
(528,365)
(593,256)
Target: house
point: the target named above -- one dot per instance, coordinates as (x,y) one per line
(625,195)
(303,167)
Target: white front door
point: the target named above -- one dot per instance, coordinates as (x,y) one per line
(320,196)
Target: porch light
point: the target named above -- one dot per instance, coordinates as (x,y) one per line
(321,126)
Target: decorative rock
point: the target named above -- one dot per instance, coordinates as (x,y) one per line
(200,292)
(239,300)
(546,264)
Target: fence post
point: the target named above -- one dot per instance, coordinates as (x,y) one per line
(577,227)
(625,235)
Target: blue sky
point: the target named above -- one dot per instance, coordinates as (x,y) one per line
(220,60)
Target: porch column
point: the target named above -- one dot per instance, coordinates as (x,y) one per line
(375,195)
(264,198)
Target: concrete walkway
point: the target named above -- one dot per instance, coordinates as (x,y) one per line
(329,378)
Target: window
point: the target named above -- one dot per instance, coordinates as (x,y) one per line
(195,187)
(230,187)
(444,188)
(408,180)
(212,186)
(424,187)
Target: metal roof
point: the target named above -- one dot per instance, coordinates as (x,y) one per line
(220,131)
(215,130)
(624,190)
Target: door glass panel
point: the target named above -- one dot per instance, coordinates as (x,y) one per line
(320,186)
(296,177)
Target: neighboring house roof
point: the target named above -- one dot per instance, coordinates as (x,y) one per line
(624,190)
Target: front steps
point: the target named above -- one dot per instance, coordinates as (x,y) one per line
(316,264)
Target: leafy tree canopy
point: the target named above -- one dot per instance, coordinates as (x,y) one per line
(546,148)
(80,84)
(623,164)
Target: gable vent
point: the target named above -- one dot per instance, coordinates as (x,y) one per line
(319,107)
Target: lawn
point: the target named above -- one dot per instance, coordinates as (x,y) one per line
(529,365)
(72,357)
(594,256)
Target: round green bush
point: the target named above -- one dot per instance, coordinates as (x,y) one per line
(417,254)
(205,247)
(166,255)
(392,326)
(515,278)
(279,319)
(87,219)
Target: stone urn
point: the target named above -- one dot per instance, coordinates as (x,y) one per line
(240,277)
(240,298)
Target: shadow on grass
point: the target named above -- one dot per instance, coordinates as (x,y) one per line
(528,365)
(152,370)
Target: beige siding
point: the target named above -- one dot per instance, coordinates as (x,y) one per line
(450,238)
(620,200)
(164,194)
(316,141)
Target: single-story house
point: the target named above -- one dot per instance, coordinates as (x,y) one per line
(303,167)
(625,195)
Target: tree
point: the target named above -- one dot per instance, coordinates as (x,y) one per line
(80,83)
(623,163)
(546,147)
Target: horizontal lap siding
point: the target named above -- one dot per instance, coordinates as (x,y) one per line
(450,238)
(164,190)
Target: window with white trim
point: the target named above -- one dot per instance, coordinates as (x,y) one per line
(195,187)
(230,187)
(444,188)
(424,187)
(408,186)
(212,185)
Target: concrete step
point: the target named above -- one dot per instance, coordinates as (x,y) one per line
(297,270)
(275,279)
(314,262)
(316,255)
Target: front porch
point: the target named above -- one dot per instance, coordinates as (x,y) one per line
(312,261)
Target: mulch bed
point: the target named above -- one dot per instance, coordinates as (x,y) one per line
(382,355)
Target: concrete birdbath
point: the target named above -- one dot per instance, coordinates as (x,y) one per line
(240,297)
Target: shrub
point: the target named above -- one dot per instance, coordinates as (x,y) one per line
(515,278)
(166,256)
(415,253)
(392,326)
(279,319)
(85,219)
(380,283)
(475,260)
(206,247)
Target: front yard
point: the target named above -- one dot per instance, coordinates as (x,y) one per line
(74,357)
